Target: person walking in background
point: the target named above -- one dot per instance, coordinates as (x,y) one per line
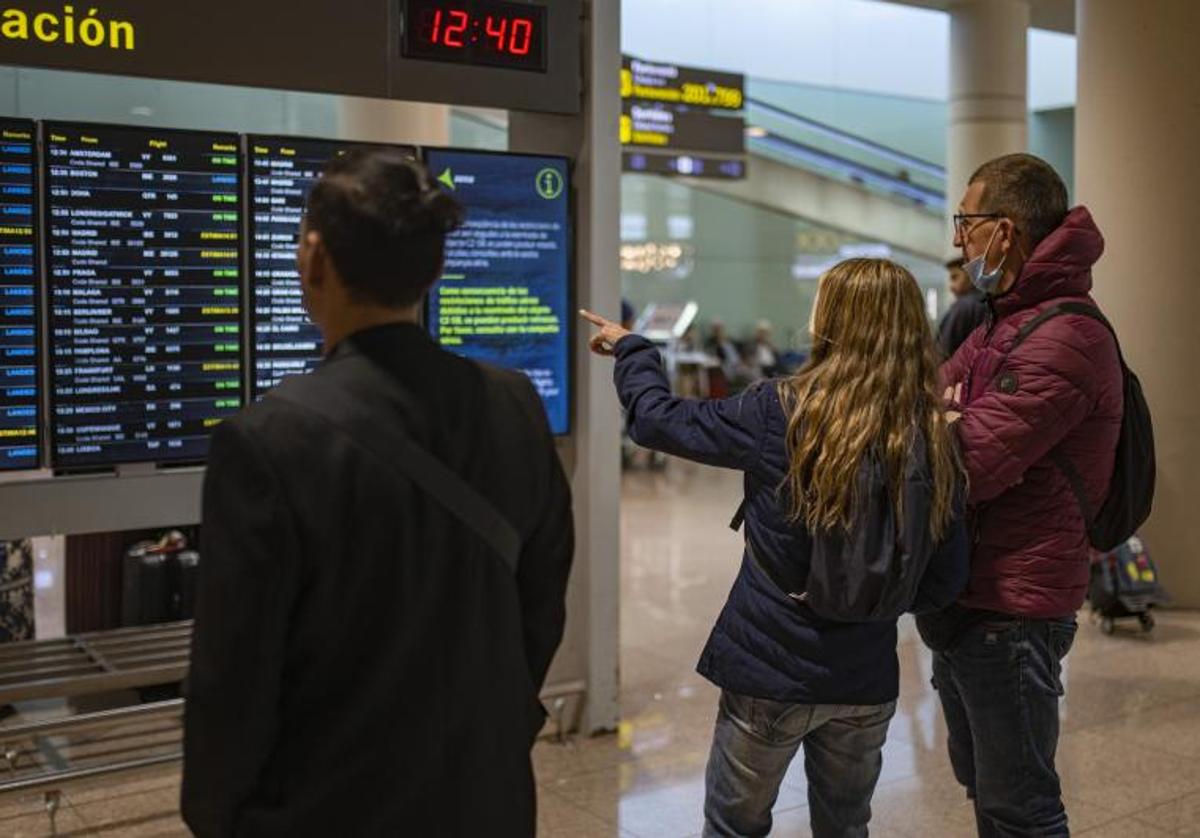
(967,313)
(853,514)
(386,549)
(1027,415)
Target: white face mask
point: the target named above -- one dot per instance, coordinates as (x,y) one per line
(986,281)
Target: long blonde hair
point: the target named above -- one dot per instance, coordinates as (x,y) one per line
(870,385)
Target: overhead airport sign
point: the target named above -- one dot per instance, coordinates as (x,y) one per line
(651,81)
(682,120)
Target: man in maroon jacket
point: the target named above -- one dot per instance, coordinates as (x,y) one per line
(1058,392)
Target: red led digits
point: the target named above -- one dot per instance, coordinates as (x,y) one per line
(486,32)
(498,32)
(456,29)
(520,43)
(518,40)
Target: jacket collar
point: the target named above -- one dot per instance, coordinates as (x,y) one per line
(1060,266)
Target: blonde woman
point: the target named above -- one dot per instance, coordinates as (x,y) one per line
(853,515)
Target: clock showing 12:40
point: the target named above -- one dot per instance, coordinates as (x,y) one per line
(495,34)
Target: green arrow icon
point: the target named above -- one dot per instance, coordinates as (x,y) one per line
(447,178)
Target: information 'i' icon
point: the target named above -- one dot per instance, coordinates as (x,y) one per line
(549,183)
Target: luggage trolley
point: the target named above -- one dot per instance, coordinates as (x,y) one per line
(1125,585)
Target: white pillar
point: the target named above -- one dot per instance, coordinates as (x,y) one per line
(988,98)
(592,454)
(1137,130)
(383,121)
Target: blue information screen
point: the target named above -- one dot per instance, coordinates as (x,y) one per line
(18,295)
(505,295)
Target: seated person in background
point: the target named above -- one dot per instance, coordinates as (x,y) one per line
(724,350)
(852,481)
(728,374)
(366,661)
(766,356)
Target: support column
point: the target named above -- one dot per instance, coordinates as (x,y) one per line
(988,98)
(383,121)
(590,649)
(1137,131)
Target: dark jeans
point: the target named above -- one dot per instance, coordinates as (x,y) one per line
(753,744)
(1000,684)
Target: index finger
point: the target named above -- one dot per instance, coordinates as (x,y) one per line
(594,319)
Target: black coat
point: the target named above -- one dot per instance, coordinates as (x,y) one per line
(764,644)
(964,316)
(362,664)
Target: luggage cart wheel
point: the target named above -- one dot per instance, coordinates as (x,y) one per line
(1106,625)
(1147,621)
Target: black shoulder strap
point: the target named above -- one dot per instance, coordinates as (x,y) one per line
(738,517)
(340,405)
(1060,459)
(1083,309)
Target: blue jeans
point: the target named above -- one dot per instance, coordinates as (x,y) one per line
(1000,685)
(753,744)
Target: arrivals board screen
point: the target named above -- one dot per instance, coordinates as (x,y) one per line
(143,242)
(282,172)
(18,308)
(505,295)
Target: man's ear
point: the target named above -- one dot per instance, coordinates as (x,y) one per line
(314,258)
(1011,233)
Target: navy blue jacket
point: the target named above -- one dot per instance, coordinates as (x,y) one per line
(764,644)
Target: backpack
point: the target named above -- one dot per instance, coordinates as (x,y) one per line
(864,575)
(1131,488)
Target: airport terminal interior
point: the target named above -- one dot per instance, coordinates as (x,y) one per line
(691,169)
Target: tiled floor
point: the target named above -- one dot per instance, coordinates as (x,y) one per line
(1130,756)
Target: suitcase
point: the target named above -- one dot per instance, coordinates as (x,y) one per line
(151,584)
(186,567)
(1125,585)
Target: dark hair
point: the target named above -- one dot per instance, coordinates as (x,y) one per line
(384,222)
(1026,189)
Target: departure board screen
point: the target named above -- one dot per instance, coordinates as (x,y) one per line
(143,230)
(282,171)
(505,295)
(18,295)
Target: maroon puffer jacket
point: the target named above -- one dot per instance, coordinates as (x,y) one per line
(1060,389)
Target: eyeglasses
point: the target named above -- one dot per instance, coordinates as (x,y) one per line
(962,220)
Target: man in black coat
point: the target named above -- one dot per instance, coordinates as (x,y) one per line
(363,663)
(965,315)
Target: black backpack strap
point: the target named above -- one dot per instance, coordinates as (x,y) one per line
(1060,459)
(340,405)
(1077,488)
(1082,309)
(738,517)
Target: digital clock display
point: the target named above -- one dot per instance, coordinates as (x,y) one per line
(495,34)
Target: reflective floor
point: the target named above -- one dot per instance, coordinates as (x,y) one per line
(1130,756)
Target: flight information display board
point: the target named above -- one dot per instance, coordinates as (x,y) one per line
(143,231)
(505,296)
(282,171)
(18,307)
